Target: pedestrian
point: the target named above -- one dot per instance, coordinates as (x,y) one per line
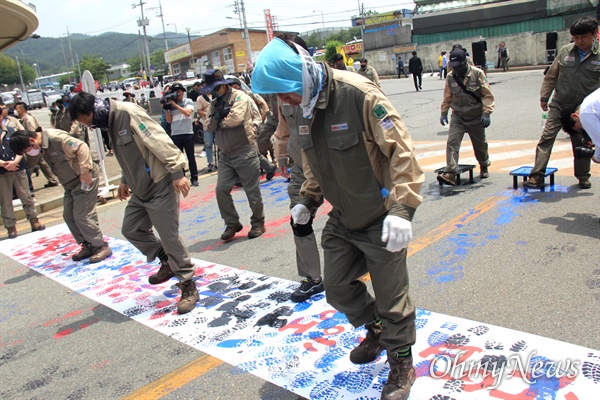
(415,67)
(195,92)
(179,115)
(71,160)
(13,176)
(574,74)
(234,118)
(401,68)
(359,156)
(31,123)
(468,94)
(368,72)
(504,56)
(202,107)
(339,63)
(152,178)
(444,70)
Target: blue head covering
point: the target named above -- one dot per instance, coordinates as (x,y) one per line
(277,70)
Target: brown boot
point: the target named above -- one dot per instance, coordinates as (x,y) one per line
(256,231)
(400,379)
(36,225)
(370,347)
(100,253)
(85,252)
(189,296)
(12,232)
(164,274)
(230,232)
(447,178)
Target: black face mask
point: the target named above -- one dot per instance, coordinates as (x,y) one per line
(461,70)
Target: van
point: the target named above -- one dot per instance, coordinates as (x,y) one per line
(36,99)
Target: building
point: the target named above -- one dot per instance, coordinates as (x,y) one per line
(225,49)
(118,71)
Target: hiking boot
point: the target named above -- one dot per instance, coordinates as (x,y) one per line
(230,232)
(534,181)
(256,231)
(447,178)
(164,274)
(400,378)
(100,253)
(189,296)
(211,168)
(12,232)
(85,252)
(307,289)
(36,225)
(483,172)
(370,347)
(51,184)
(271,172)
(585,184)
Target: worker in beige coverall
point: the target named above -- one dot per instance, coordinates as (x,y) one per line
(71,160)
(471,109)
(574,74)
(358,155)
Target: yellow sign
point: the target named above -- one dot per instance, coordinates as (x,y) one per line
(353,48)
(240,54)
(405,49)
(384,17)
(177,53)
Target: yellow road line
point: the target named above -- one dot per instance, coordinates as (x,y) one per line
(205,363)
(176,379)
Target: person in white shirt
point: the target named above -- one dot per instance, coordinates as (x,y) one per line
(586,117)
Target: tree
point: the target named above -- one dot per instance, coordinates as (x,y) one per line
(331,50)
(9,71)
(157,59)
(135,65)
(96,65)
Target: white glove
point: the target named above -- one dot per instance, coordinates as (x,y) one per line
(397,232)
(300,214)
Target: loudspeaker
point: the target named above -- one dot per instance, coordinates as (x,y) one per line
(479,49)
(551,38)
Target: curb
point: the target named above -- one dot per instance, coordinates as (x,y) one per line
(495,70)
(51,204)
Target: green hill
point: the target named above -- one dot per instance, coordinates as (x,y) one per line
(114,48)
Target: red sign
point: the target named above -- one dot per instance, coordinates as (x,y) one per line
(269,22)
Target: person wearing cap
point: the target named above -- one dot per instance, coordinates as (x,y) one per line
(358,155)
(368,72)
(234,118)
(415,67)
(338,63)
(71,161)
(469,59)
(269,168)
(179,115)
(574,75)
(152,177)
(468,93)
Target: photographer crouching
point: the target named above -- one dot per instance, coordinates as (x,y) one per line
(179,112)
(585,122)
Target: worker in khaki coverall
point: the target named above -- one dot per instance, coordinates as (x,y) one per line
(153,168)
(471,109)
(70,159)
(358,155)
(308,260)
(234,118)
(574,74)
(31,123)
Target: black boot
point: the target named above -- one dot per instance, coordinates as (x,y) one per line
(400,379)
(370,347)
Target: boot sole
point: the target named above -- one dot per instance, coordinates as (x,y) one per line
(96,260)
(443,181)
(381,348)
(226,239)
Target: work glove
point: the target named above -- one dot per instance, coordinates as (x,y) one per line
(444,120)
(485,120)
(222,113)
(300,214)
(397,232)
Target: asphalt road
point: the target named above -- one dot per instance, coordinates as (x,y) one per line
(525,261)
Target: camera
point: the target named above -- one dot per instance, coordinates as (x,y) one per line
(166,100)
(583,152)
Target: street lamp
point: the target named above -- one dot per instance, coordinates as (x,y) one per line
(174,25)
(191,52)
(322,19)
(37,76)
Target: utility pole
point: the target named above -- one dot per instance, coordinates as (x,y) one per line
(70,50)
(248,47)
(361,11)
(143,22)
(21,76)
(141,52)
(78,66)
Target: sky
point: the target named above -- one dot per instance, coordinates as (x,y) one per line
(202,17)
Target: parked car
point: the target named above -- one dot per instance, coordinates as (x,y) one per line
(50,96)
(9,99)
(36,99)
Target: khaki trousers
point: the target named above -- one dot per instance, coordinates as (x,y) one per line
(476,132)
(351,254)
(18,181)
